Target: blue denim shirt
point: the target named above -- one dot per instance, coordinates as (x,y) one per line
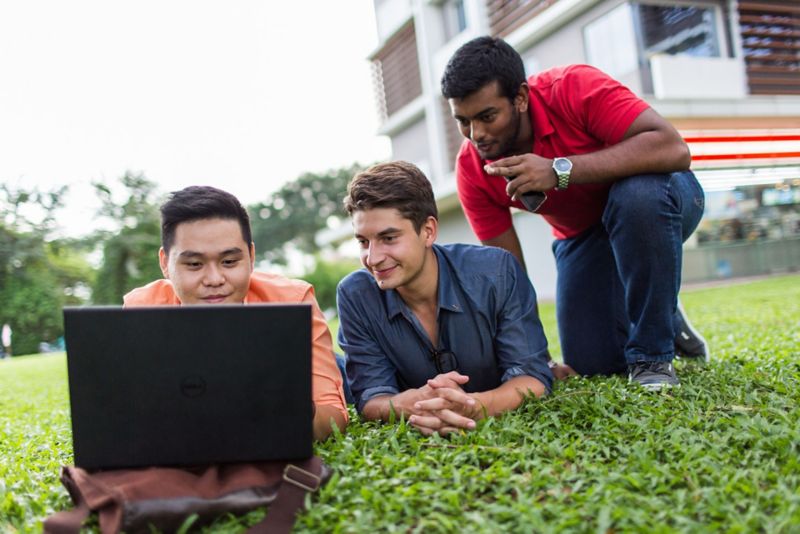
(487,317)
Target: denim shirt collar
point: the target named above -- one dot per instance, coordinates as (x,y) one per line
(448,297)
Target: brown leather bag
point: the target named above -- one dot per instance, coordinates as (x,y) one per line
(131,500)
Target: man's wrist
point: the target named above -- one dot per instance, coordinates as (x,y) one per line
(403,402)
(562,167)
(482,402)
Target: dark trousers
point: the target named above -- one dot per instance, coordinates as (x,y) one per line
(618,282)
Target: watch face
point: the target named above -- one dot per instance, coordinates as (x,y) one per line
(562,165)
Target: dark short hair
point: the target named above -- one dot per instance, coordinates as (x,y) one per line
(197,202)
(398,184)
(479,62)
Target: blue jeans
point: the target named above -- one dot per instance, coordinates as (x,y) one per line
(618,282)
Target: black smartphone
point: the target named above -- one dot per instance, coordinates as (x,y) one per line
(532,200)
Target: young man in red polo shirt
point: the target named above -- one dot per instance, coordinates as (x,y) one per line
(618,195)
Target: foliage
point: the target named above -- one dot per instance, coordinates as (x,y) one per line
(326,276)
(130,251)
(38,275)
(32,307)
(294,214)
(718,454)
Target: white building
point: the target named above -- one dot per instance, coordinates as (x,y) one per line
(725,73)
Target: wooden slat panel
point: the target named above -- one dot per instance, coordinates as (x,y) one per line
(768,90)
(769,80)
(753,57)
(453,137)
(774,45)
(771,7)
(773,68)
(771,45)
(783,34)
(506,16)
(758,19)
(397,75)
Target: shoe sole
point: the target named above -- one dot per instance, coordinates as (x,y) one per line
(659,387)
(705,357)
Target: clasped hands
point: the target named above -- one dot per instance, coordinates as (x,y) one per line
(527,172)
(442,406)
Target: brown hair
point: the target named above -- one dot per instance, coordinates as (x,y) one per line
(398,184)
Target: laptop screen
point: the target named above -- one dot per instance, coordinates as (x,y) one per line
(189,385)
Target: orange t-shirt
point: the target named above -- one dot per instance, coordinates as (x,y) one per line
(326,380)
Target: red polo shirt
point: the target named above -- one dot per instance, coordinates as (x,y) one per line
(575,109)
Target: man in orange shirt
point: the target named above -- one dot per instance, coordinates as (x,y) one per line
(207,257)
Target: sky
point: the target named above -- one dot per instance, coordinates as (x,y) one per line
(244,95)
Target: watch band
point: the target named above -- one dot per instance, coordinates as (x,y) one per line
(562,167)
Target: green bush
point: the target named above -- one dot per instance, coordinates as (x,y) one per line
(326,276)
(32,308)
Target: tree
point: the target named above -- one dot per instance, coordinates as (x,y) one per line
(38,275)
(130,251)
(296,212)
(326,276)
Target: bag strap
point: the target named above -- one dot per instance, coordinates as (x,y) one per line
(298,480)
(68,521)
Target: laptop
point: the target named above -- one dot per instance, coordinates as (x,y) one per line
(189,385)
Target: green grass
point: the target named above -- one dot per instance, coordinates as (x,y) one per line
(719,454)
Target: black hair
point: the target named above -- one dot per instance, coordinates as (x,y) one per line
(479,62)
(195,203)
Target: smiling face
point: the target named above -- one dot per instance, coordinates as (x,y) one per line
(496,126)
(398,256)
(209,262)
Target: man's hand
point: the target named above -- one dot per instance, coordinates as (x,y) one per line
(562,371)
(449,409)
(528,172)
(453,380)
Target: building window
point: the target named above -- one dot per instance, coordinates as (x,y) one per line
(624,39)
(611,42)
(677,29)
(454,16)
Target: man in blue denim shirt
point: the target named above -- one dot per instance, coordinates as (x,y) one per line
(442,335)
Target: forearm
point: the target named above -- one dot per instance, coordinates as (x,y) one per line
(647,152)
(402,404)
(324,419)
(507,396)
(650,145)
(508,240)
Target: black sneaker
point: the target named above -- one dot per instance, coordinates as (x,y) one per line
(688,341)
(653,375)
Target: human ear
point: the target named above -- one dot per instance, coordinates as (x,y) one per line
(163,261)
(521,100)
(430,230)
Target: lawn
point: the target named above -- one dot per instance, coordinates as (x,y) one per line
(718,454)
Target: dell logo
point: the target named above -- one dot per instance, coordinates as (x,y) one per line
(193,386)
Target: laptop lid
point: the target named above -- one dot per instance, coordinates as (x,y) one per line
(187,385)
